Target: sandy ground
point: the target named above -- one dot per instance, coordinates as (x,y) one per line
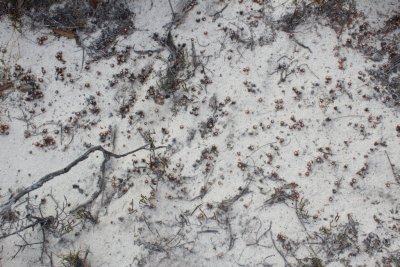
(272,138)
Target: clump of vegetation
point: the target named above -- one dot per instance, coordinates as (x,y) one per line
(393,259)
(339,13)
(75,259)
(336,240)
(20,79)
(46,142)
(4,129)
(71,18)
(173,79)
(381,45)
(284,193)
(311,262)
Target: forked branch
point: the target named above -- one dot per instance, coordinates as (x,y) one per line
(5,207)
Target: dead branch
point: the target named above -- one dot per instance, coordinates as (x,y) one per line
(21,247)
(53,224)
(5,207)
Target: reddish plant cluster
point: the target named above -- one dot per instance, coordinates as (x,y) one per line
(298,124)
(285,242)
(278,104)
(155,95)
(4,129)
(47,141)
(59,57)
(105,135)
(42,39)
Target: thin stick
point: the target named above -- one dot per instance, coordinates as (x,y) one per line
(218,14)
(391,166)
(302,45)
(172,10)
(305,228)
(349,116)
(280,253)
(231,238)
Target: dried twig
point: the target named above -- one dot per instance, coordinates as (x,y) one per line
(258,238)
(218,13)
(395,175)
(231,238)
(21,247)
(299,214)
(302,45)
(172,10)
(280,252)
(148,52)
(107,156)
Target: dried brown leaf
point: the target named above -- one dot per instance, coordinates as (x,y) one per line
(63,33)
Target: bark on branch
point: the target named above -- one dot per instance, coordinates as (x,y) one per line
(5,207)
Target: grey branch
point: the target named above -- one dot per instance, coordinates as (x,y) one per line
(48,177)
